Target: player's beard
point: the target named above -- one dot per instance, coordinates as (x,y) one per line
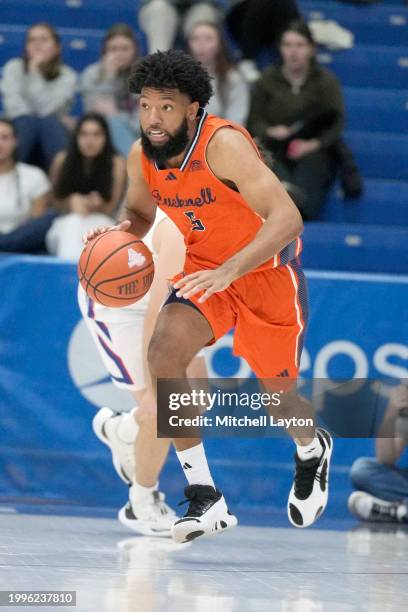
(176,144)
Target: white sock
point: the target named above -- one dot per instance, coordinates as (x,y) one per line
(195,466)
(138,493)
(127,427)
(314,449)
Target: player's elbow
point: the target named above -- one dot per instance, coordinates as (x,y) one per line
(295,221)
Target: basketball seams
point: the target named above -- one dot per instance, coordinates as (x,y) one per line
(111,254)
(109,280)
(89,255)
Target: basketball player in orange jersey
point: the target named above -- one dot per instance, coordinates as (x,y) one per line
(241,230)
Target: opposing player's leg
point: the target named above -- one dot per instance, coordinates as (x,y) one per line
(269,334)
(131,437)
(146,510)
(181,331)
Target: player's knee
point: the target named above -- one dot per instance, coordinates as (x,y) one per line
(164,357)
(361,472)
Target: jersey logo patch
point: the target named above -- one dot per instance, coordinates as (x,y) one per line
(171,177)
(195,165)
(135,258)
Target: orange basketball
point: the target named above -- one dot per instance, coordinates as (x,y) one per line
(116,269)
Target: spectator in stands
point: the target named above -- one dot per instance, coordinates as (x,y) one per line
(207,44)
(256,25)
(161,20)
(38,90)
(105,89)
(297,113)
(24,195)
(382,486)
(89,181)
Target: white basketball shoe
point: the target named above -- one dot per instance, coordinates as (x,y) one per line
(207,514)
(310,490)
(118,432)
(148,514)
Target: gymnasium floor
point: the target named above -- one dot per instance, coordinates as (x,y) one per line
(246,570)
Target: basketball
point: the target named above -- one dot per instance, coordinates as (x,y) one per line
(116,269)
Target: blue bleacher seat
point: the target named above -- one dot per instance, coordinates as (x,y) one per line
(377,110)
(382,203)
(369,66)
(69,13)
(375,24)
(365,248)
(380,155)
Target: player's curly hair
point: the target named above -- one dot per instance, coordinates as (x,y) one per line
(172,69)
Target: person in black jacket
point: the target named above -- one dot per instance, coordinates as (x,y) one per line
(297,113)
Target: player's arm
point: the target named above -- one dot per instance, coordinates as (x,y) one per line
(140,207)
(232,158)
(139,210)
(169,245)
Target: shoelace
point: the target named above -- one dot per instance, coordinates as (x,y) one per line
(196,506)
(385,512)
(306,474)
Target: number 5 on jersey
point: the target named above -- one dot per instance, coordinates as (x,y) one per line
(196,223)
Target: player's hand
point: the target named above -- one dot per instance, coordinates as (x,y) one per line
(93,233)
(279,132)
(299,148)
(206,281)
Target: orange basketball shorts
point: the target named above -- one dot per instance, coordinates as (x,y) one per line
(269,312)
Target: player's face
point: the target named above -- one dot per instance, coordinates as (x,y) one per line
(91,139)
(204,43)
(162,113)
(167,120)
(123,49)
(8,143)
(41,44)
(296,51)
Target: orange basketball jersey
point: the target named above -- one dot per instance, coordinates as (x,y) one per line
(215,220)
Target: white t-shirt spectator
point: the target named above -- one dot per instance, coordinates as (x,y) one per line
(18,189)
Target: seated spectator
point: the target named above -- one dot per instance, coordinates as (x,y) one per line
(207,44)
(24,195)
(89,181)
(160,20)
(297,113)
(382,486)
(256,25)
(38,90)
(104,87)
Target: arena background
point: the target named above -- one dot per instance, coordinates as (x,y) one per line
(356,258)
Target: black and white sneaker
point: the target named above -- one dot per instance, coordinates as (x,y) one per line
(366,507)
(207,514)
(149,516)
(310,490)
(109,428)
